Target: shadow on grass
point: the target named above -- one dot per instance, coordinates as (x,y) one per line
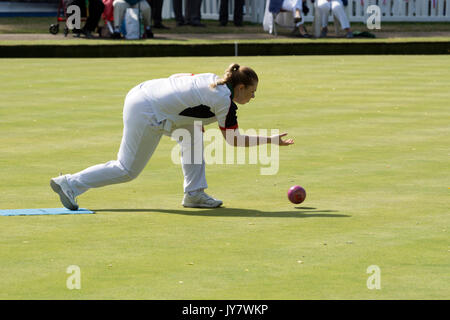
(300,212)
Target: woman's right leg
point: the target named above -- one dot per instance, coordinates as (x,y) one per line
(141,135)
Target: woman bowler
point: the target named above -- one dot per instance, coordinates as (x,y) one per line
(160,106)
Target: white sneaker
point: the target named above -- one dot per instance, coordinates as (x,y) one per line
(62,188)
(200,200)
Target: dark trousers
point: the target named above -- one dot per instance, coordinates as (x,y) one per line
(96,8)
(193,11)
(238,12)
(178,10)
(156,6)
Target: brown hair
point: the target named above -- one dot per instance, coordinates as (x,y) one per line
(236,74)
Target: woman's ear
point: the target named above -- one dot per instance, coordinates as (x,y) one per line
(237,88)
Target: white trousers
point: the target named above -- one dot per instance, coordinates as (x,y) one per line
(121,6)
(141,135)
(337,7)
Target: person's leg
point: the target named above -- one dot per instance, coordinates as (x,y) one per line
(120,6)
(96,8)
(196,15)
(223,12)
(192,161)
(178,11)
(188,11)
(193,165)
(324,8)
(139,141)
(199,10)
(300,24)
(299,19)
(295,7)
(339,12)
(156,6)
(146,12)
(238,12)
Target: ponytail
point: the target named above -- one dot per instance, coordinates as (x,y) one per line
(235,75)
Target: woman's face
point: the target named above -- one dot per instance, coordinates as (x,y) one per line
(243,94)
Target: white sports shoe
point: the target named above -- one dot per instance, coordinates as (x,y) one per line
(200,200)
(62,188)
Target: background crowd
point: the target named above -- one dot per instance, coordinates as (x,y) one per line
(113,12)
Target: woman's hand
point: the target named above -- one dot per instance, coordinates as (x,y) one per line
(277,139)
(234,138)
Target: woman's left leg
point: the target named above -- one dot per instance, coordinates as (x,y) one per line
(193,164)
(192,160)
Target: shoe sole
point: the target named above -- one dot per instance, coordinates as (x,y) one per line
(62,197)
(200,206)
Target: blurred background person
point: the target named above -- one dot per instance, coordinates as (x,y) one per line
(178,11)
(337,7)
(238,12)
(157,6)
(120,6)
(193,13)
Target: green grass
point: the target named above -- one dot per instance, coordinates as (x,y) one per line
(371,149)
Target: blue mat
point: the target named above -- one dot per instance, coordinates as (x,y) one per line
(35,212)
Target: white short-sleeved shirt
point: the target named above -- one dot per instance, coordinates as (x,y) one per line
(188,98)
